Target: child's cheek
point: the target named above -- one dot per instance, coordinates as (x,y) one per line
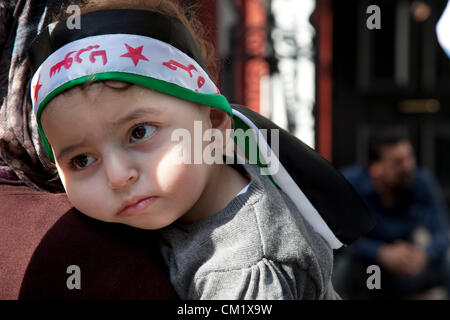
(89,200)
(182,182)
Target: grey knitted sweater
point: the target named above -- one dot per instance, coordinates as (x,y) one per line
(257,247)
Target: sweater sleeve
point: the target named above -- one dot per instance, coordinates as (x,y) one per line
(265,280)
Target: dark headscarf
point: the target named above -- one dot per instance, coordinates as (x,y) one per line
(22,156)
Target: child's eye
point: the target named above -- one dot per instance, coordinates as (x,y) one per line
(141,132)
(82,161)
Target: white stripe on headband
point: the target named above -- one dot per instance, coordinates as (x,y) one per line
(118,53)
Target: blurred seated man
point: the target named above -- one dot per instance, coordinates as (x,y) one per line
(403,199)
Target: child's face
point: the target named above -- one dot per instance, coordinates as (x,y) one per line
(113,147)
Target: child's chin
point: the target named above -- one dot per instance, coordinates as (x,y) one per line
(147,225)
(153,226)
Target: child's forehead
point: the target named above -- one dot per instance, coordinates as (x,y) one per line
(100,90)
(124,95)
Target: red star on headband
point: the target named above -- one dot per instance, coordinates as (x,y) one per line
(36,87)
(135,54)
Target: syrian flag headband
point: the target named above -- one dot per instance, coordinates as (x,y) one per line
(136,46)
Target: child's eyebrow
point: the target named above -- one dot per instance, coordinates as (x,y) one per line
(68,149)
(135,114)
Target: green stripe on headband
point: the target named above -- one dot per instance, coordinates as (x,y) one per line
(213,100)
(244,143)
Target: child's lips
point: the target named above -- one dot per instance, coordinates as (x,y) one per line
(135,206)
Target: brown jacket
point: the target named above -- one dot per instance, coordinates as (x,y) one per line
(41,236)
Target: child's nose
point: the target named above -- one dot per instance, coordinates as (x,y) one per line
(120,171)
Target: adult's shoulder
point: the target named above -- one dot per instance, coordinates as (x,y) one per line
(41,236)
(354,172)
(25,217)
(425,184)
(423,175)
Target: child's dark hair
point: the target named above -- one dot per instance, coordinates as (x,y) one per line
(172,8)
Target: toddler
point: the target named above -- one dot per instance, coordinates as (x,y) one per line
(110,100)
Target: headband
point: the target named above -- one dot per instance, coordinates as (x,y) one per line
(154,51)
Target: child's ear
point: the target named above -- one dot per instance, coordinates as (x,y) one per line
(219,119)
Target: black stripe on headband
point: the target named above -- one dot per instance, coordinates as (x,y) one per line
(128,21)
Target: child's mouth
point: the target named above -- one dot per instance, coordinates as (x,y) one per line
(135,206)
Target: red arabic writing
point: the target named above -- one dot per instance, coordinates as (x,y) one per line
(77,57)
(174,65)
(67,62)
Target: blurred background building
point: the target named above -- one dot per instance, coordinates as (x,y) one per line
(317,70)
